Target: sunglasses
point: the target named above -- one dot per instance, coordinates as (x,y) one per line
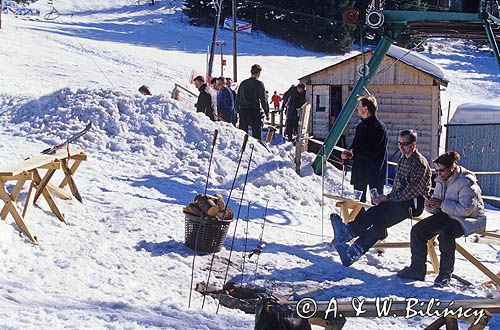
(441,170)
(404,144)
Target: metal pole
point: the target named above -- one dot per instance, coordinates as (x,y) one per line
(214,38)
(348,109)
(235,55)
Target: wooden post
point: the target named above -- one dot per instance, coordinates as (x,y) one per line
(281,122)
(298,143)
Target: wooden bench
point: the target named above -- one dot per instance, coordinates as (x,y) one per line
(351,208)
(29,170)
(325,317)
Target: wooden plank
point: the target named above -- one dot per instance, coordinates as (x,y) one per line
(393,245)
(36,162)
(58,192)
(478,264)
(15,213)
(55,165)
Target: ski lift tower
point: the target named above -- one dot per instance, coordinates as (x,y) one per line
(462,19)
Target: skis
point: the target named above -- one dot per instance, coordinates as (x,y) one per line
(53,150)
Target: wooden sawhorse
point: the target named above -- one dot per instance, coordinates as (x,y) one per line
(28,170)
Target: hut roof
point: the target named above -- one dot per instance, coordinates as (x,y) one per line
(411,58)
(475,114)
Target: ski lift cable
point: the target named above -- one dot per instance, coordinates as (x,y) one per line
(97,65)
(400,58)
(294,12)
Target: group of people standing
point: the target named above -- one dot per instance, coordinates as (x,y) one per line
(250,104)
(456,204)
(216,100)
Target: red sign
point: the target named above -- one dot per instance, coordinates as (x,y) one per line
(223,62)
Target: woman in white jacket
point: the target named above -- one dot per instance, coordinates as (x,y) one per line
(457,209)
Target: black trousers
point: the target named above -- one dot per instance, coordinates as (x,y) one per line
(362,187)
(254,120)
(437,224)
(371,226)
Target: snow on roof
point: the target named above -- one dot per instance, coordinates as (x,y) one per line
(418,61)
(411,58)
(475,113)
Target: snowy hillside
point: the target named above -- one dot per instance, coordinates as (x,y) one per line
(121,262)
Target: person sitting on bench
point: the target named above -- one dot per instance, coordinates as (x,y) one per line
(457,209)
(411,183)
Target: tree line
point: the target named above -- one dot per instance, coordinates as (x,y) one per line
(315,24)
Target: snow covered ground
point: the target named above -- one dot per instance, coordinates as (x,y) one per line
(121,262)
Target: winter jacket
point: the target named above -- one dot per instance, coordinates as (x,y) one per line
(461,200)
(225,105)
(370,152)
(204,103)
(251,97)
(276,100)
(295,101)
(213,96)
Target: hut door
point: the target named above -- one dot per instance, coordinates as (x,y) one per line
(335,104)
(320,110)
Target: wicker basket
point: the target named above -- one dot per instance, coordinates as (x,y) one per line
(203,234)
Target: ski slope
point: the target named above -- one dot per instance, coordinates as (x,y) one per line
(121,262)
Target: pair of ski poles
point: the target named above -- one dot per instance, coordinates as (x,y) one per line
(245,141)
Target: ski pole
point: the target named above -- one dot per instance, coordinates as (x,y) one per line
(236,224)
(258,250)
(198,232)
(245,245)
(210,161)
(245,140)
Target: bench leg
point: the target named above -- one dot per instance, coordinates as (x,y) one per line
(11,206)
(73,169)
(478,264)
(42,182)
(431,250)
(43,191)
(15,193)
(29,198)
(69,179)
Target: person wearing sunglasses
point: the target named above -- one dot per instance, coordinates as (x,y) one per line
(411,183)
(368,150)
(457,209)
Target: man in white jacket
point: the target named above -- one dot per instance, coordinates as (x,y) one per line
(457,209)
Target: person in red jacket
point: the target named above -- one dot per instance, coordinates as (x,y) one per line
(276,100)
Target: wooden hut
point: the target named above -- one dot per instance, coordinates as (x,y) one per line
(407,87)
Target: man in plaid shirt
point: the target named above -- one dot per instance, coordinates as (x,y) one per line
(411,183)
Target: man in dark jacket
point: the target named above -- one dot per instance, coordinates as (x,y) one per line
(204,103)
(368,149)
(250,99)
(225,102)
(296,99)
(412,184)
